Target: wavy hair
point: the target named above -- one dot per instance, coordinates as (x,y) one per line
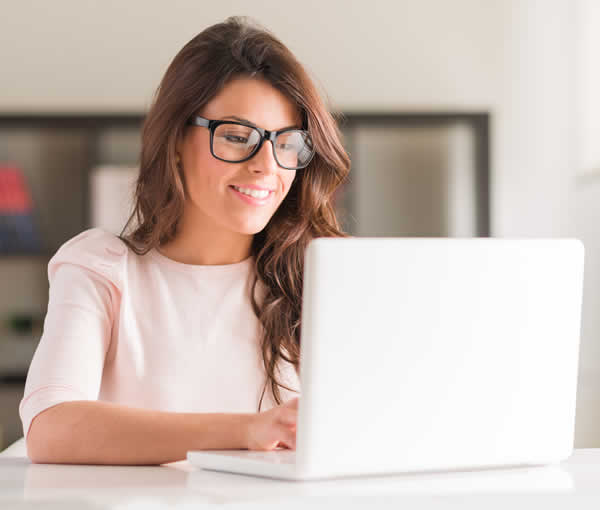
(234,48)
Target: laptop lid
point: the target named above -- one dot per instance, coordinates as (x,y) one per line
(424,354)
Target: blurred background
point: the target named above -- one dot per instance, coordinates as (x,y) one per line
(462,118)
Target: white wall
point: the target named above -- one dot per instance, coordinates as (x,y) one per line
(587,99)
(514,58)
(510,57)
(585,199)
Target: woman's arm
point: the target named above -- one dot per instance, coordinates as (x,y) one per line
(95,432)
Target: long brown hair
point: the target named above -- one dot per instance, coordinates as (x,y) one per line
(238,47)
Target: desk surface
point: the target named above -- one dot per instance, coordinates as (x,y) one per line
(573,484)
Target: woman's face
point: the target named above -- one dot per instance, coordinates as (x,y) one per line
(212,198)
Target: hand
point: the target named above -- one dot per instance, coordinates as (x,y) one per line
(274,428)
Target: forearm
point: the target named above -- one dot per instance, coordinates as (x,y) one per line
(94,432)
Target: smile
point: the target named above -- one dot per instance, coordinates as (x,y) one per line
(256,193)
(254,197)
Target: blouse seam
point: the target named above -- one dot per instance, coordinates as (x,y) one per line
(177,266)
(106,281)
(53,386)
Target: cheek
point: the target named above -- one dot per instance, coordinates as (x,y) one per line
(204,175)
(288,180)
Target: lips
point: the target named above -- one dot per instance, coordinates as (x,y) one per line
(253,186)
(253,196)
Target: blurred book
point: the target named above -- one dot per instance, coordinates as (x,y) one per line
(112,190)
(18,231)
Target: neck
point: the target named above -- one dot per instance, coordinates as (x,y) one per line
(206,244)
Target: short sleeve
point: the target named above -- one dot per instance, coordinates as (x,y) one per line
(86,282)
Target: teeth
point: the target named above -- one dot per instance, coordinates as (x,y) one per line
(253,192)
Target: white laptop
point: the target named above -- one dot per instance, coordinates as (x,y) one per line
(428,354)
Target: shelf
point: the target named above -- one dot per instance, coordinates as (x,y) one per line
(17,379)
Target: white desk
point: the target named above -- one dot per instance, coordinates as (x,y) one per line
(574,484)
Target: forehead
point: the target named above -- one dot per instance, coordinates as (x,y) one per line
(256,100)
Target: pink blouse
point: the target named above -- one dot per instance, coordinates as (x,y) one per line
(147,332)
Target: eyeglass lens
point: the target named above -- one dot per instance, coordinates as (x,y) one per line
(234,142)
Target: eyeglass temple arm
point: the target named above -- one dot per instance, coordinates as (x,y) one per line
(199,121)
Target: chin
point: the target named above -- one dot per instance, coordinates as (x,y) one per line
(251,228)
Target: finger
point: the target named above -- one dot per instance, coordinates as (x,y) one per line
(287,438)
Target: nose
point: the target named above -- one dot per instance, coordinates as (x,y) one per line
(264,160)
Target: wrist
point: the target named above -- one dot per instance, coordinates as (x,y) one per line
(244,427)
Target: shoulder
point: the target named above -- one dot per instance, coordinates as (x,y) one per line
(94,250)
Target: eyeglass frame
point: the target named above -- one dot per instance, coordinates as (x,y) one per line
(212,125)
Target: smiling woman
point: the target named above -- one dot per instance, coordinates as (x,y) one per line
(237,200)
(184,332)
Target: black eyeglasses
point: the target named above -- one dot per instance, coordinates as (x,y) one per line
(235,142)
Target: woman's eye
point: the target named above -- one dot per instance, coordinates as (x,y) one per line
(235,139)
(285,146)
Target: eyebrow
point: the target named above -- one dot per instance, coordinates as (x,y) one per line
(249,122)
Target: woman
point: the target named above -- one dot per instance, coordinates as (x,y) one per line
(184,332)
